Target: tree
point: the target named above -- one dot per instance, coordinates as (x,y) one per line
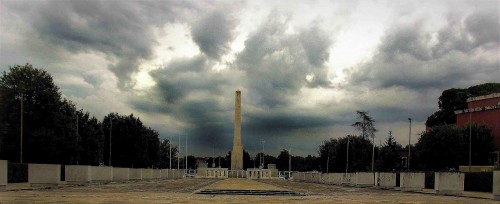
(389,158)
(365,124)
(447,147)
(164,158)
(90,139)
(48,134)
(337,149)
(282,161)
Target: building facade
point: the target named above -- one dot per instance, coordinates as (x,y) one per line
(483,110)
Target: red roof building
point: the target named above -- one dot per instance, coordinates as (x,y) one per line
(482,110)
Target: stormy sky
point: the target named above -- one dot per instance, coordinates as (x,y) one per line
(304,67)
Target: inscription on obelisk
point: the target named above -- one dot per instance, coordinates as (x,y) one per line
(237,153)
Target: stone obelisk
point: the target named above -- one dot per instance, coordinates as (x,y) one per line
(237,153)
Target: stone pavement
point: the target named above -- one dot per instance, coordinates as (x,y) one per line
(183,191)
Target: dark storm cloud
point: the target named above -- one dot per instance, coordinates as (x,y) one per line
(270,70)
(278,63)
(408,58)
(192,93)
(120,28)
(213,33)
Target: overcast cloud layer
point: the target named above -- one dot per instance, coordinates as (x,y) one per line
(304,67)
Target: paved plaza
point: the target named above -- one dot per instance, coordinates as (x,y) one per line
(186,191)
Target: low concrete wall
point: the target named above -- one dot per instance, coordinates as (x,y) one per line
(156,174)
(121,174)
(3,174)
(44,174)
(449,183)
(349,179)
(365,179)
(324,178)
(335,178)
(299,176)
(385,180)
(164,173)
(411,181)
(315,177)
(101,173)
(496,185)
(135,174)
(77,174)
(147,174)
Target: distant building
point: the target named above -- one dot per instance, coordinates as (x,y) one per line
(483,110)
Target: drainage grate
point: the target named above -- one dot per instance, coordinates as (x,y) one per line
(248,192)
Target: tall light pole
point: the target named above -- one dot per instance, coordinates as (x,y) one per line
(110,136)
(470,140)
(170,154)
(347,160)
(21,142)
(77,142)
(373,151)
(289,163)
(186,153)
(263,155)
(409,145)
(179,150)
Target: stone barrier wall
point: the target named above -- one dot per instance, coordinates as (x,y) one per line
(324,178)
(449,183)
(412,181)
(156,174)
(335,178)
(165,173)
(135,174)
(121,174)
(315,177)
(44,174)
(349,179)
(386,180)
(365,179)
(77,174)
(496,185)
(3,174)
(147,174)
(101,173)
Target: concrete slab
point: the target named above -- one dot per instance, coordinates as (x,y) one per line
(156,174)
(496,185)
(135,174)
(412,181)
(101,174)
(386,180)
(3,174)
(349,179)
(147,174)
(365,179)
(449,183)
(44,174)
(164,173)
(77,174)
(121,174)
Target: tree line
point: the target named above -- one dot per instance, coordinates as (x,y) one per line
(55,131)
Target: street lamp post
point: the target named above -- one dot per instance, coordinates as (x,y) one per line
(347,160)
(409,145)
(289,162)
(470,140)
(110,136)
(21,142)
(170,154)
